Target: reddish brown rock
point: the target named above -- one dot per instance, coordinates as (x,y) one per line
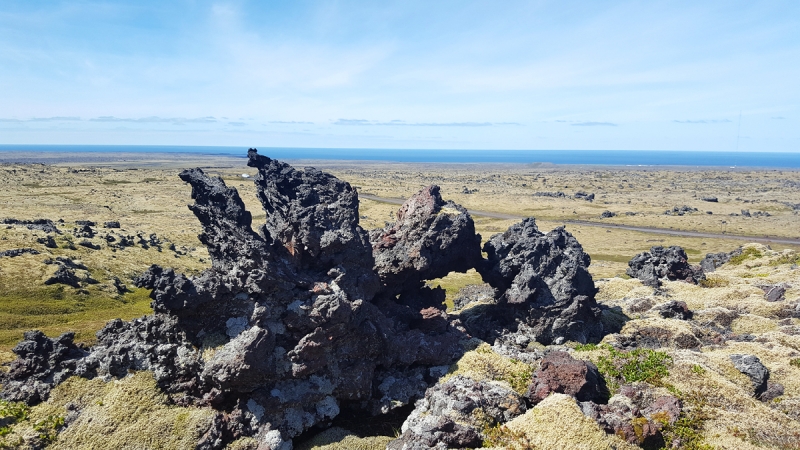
(561,373)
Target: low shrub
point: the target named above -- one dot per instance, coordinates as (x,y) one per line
(641,364)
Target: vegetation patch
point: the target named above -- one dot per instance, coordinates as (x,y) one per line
(484,364)
(641,364)
(747,253)
(688,428)
(714,282)
(786,258)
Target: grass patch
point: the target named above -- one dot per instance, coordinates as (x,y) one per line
(747,253)
(687,429)
(641,364)
(713,282)
(83,314)
(786,258)
(795,362)
(115,182)
(453,282)
(608,257)
(484,364)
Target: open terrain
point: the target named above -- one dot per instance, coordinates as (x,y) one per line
(149,201)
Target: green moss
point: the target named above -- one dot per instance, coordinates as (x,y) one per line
(337,438)
(795,362)
(454,282)
(585,347)
(747,253)
(500,436)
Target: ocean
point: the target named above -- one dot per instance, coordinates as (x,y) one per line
(593,157)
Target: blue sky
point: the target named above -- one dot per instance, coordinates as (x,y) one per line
(406,74)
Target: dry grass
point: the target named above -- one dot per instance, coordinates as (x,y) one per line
(131,413)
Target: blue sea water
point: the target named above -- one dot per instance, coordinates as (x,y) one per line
(598,157)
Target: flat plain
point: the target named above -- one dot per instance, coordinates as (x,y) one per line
(144,194)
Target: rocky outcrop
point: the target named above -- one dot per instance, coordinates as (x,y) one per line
(751,366)
(675,310)
(430,239)
(308,313)
(41,364)
(713,260)
(544,288)
(637,415)
(45,225)
(659,263)
(581,195)
(680,210)
(13,253)
(454,414)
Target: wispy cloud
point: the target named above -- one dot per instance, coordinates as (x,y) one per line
(594,124)
(703,121)
(44,119)
(402,123)
(54,119)
(237,124)
(291,122)
(154,119)
(778,118)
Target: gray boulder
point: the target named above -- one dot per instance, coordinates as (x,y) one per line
(453,414)
(659,263)
(751,366)
(543,285)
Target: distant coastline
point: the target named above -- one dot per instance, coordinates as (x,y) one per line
(645,158)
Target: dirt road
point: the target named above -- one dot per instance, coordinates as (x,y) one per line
(700,234)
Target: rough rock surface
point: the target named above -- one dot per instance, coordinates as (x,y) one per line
(675,310)
(454,413)
(45,225)
(713,260)
(543,284)
(775,292)
(308,313)
(13,253)
(430,239)
(41,364)
(563,374)
(751,366)
(472,294)
(636,415)
(659,263)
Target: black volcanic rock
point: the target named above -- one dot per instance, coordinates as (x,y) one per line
(430,239)
(41,364)
(305,314)
(545,290)
(64,275)
(45,225)
(14,252)
(659,263)
(713,260)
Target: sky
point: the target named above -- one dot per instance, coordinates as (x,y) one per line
(639,75)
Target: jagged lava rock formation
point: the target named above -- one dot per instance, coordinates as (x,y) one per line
(309,314)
